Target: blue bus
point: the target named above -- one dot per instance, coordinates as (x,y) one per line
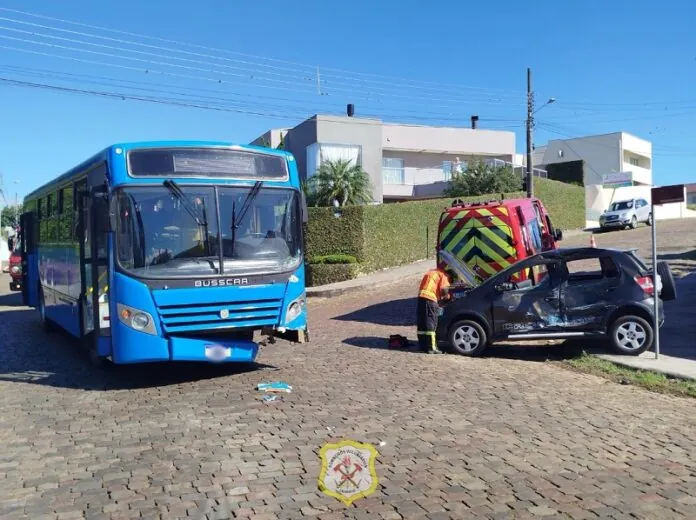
(169,251)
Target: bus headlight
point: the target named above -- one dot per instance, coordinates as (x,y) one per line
(136,319)
(294,309)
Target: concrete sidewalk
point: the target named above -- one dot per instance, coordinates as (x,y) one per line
(671,366)
(382,278)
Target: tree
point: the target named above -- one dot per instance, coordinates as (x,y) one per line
(480,179)
(8,216)
(340,180)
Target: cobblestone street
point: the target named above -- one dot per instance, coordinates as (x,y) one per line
(503,436)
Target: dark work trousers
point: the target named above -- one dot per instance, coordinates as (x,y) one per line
(426,323)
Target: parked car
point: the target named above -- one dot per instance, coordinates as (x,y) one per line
(626,213)
(574,293)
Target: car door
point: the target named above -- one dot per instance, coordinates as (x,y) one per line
(588,290)
(532,305)
(644,210)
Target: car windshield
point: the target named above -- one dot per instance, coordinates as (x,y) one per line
(621,206)
(176,230)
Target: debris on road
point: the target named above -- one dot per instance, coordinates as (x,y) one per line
(276,386)
(398,341)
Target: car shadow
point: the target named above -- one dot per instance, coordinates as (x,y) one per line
(397,313)
(55,360)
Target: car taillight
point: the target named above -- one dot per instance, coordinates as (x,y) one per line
(646,284)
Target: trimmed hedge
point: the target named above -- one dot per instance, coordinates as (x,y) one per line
(390,235)
(324,274)
(327,235)
(334,259)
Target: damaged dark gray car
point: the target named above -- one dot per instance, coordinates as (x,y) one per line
(584,292)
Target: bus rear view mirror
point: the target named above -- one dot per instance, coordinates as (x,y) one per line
(113,213)
(305,212)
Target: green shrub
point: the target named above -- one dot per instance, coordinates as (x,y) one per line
(334,259)
(390,235)
(324,274)
(327,235)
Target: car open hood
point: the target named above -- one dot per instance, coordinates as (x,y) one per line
(462,271)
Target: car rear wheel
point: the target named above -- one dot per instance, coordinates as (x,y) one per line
(649,222)
(669,288)
(631,335)
(467,338)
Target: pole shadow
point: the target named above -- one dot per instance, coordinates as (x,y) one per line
(396,313)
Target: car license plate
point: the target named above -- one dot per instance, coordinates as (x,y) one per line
(217,352)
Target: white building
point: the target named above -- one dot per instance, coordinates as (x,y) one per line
(404,161)
(616,166)
(600,155)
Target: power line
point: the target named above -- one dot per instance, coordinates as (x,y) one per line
(326,71)
(175,102)
(263,103)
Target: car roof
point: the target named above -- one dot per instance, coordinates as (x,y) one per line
(565,252)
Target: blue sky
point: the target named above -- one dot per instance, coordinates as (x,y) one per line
(611,66)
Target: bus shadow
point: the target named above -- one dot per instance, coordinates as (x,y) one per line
(13,299)
(29,355)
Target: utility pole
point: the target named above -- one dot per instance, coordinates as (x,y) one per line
(530,124)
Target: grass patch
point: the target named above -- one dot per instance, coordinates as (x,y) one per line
(653,381)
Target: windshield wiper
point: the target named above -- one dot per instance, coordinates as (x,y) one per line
(200,217)
(236,221)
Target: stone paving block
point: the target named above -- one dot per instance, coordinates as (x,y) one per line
(501,436)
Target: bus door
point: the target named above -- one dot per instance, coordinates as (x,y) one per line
(94,275)
(28,250)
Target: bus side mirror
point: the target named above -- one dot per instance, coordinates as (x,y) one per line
(113,203)
(558,235)
(305,212)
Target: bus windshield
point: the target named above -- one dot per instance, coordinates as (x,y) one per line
(176,230)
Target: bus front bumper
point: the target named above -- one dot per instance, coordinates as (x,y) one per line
(212,350)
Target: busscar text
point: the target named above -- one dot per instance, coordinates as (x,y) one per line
(224,282)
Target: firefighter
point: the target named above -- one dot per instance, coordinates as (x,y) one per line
(434,288)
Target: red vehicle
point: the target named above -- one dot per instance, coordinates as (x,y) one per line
(15,268)
(489,236)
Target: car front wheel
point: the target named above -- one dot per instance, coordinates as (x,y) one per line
(467,338)
(631,335)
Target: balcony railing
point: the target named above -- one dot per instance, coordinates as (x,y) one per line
(392,175)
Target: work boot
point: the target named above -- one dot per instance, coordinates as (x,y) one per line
(435,351)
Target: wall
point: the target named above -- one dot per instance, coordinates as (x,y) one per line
(366,133)
(600,153)
(449,140)
(298,139)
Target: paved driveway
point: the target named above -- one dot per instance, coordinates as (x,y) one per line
(505,436)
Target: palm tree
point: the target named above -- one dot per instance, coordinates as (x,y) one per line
(342,181)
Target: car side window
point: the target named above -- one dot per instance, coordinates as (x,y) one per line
(588,269)
(530,277)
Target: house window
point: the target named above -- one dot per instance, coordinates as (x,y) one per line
(393,171)
(317,153)
(448,167)
(447,170)
(634,161)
